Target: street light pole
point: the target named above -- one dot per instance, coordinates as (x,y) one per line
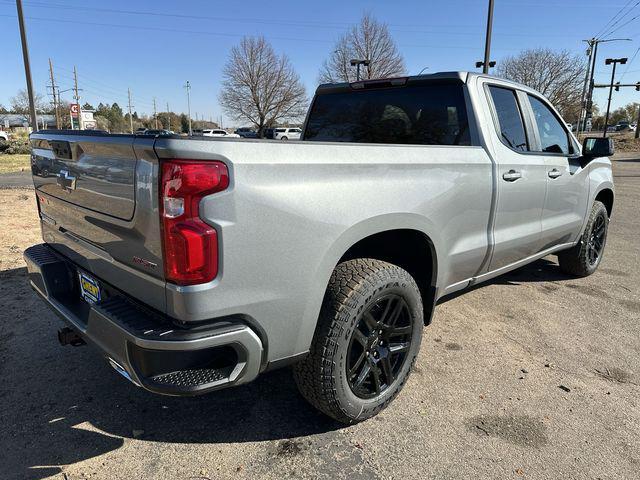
(27,67)
(356,63)
(487,43)
(609,61)
(188,87)
(130,114)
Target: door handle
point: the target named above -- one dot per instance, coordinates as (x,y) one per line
(511,175)
(555,173)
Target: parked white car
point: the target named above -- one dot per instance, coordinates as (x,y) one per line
(4,136)
(286,133)
(209,132)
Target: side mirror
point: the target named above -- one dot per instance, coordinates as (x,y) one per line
(594,147)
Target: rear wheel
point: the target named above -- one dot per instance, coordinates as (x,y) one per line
(284,138)
(583,259)
(367,339)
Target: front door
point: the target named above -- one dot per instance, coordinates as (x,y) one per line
(567,195)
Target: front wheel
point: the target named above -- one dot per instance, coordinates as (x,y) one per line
(366,341)
(583,259)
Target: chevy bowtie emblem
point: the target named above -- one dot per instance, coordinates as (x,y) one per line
(66,181)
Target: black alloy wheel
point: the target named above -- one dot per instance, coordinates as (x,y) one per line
(596,242)
(378,346)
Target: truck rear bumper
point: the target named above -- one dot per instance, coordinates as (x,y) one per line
(141,344)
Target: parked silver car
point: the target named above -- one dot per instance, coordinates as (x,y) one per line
(217,259)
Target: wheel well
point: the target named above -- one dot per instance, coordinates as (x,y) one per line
(409,249)
(606,196)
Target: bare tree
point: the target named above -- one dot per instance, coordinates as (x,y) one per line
(558,75)
(20,104)
(369,40)
(260,86)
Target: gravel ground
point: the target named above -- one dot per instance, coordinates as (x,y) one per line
(535,375)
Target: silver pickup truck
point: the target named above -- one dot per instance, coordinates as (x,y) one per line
(197,264)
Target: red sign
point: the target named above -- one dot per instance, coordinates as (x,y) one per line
(75,109)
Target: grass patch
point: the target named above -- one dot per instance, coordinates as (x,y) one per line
(14,163)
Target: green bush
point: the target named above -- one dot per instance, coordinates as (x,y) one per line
(15,146)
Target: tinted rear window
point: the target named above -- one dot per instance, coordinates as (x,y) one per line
(420,114)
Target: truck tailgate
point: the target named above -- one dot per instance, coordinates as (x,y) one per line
(98,175)
(97,197)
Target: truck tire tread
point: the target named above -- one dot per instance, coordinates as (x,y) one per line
(574,260)
(315,375)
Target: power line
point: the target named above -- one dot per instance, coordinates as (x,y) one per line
(635,54)
(103,87)
(235,35)
(623,25)
(304,24)
(602,32)
(107,92)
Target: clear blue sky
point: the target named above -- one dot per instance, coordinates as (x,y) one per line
(153,47)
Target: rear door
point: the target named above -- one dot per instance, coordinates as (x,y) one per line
(567,195)
(521,180)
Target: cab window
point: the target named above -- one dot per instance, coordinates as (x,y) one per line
(553,136)
(510,124)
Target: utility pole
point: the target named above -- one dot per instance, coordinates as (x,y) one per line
(155,113)
(168,117)
(76,96)
(609,61)
(188,87)
(487,43)
(583,97)
(588,102)
(55,97)
(130,108)
(27,66)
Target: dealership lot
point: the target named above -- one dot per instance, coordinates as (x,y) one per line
(534,375)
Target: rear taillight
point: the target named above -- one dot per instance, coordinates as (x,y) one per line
(190,245)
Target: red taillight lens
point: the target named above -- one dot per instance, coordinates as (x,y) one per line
(190,245)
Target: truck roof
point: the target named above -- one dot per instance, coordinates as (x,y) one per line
(460,76)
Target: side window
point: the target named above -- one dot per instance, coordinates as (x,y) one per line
(553,136)
(509,117)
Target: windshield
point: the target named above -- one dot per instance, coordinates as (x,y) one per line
(421,114)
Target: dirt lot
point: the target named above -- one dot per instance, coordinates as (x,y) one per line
(535,375)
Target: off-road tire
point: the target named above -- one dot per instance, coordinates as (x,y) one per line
(355,286)
(575,261)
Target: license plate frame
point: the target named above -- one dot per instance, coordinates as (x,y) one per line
(90,290)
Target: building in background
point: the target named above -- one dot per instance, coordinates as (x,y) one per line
(17,122)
